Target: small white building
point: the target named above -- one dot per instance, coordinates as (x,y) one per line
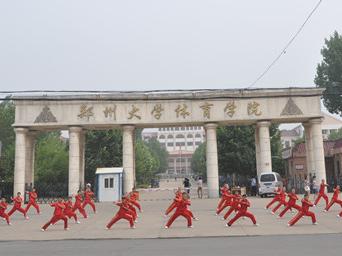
(109,184)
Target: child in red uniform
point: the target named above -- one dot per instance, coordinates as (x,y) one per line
(234,204)
(334,199)
(282,200)
(3,214)
(133,200)
(123,213)
(321,194)
(32,201)
(223,191)
(178,196)
(306,204)
(181,210)
(78,204)
(275,199)
(18,200)
(57,215)
(227,201)
(242,212)
(68,211)
(88,199)
(291,203)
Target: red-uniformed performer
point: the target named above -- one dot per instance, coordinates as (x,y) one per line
(236,197)
(227,198)
(32,201)
(88,199)
(282,200)
(18,200)
(243,212)
(334,199)
(58,214)
(178,196)
(223,191)
(181,210)
(78,204)
(291,203)
(3,214)
(123,213)
(68,211)
(322,194)
(275,199)
(306,204)
(133,197)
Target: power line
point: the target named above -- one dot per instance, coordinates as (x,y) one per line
(283,51)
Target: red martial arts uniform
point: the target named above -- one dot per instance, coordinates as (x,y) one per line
(3,214)
(32,202)
(174,203)
(275,199)
(68,211)
(334,199)
(291,204)
(223,191)
(242,212)
(321,194)
(17,206)
(306,204)
(234,205)
(78,206)
(133,200)
(227,197)
(181,210)
(282,201)
(57,215)
(123,213)
(88,195)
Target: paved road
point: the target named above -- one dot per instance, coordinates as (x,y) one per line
(326,244)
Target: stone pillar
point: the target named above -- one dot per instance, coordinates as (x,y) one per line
(257,151)
(318,149)
(265,147)
(82,158)
(74,159)
(212,163)
(20,160)
(310,165)
(29,164)
(128,158)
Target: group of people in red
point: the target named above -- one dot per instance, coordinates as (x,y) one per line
(17,205)
(66,209)
(303,209)
(235,203)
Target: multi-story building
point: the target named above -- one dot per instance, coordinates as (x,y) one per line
(180,142)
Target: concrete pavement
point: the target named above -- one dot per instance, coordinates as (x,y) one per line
(151,222)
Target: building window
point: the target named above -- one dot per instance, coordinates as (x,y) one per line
(198,135)
(106,183)
(177,129)
(183,128)
(189,136)
(190,143)
(170,136)
(198,143)
(180,144)
(170,144)
(180,136)
(161,137)
(109,182)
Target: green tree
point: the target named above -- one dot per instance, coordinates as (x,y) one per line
(7,139)
(159,153)
(51,159)
(198,161)
(146,165)
(336,135)
(329,73)
(103,149)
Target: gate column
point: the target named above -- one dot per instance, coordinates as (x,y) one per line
(265,158)
(20,161)
(30,151)
(74,159)
(128,157)
(212,162)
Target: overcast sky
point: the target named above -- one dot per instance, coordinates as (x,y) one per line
(158,44)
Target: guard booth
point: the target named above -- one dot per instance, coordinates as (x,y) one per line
(109,184)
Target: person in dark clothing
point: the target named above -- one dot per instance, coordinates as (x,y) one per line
(187,185)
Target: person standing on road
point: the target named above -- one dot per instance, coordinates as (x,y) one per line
(253,186)
(322,194)
(334,199)
(187,185)
(306,204)
(200,187)
(32,201)
(243,212)
(181,210)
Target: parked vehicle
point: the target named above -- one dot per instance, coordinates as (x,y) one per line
(268,182)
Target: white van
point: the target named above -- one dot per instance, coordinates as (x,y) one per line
(268,182)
